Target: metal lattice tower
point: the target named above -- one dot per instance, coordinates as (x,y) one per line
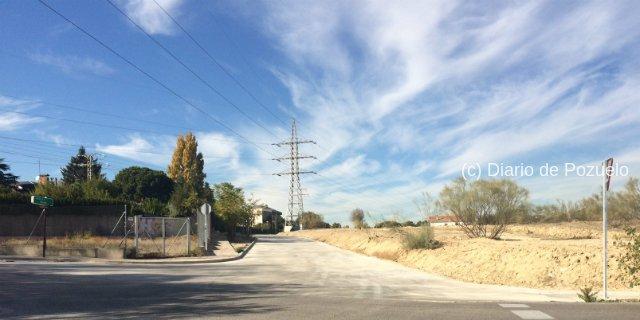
(296,205)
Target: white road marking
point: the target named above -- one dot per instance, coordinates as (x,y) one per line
(531,314)
(513,305)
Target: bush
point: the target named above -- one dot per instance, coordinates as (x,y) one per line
(629,261)
(588,295)
(423,239)
(408,223)
(312,220)
(484,207)
(151,207)
(388,224)
(8,196)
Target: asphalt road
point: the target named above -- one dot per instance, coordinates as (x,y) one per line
(281,278)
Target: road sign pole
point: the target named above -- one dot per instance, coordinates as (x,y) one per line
(188,236)
(164,243)
(44,233)
(135,232)
(604,230)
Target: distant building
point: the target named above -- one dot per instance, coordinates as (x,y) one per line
(42,179)
(264,214)
(443,220)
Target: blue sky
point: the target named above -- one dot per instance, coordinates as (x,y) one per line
(398,97)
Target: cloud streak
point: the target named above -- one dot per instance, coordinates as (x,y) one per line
(422,88)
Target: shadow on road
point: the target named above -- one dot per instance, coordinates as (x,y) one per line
(69,291)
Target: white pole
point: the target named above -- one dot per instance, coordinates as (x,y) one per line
(604,231)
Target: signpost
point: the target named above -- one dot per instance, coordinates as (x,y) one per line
(43,202)
(204,226)
(606,182)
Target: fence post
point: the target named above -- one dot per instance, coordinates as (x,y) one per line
(164,246)
(135,232)
(188,236)
(125,230)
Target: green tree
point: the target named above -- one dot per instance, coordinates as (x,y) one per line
(629,259)
(484,207)
(137,184)
(76,170)
(336,225)
(6,178)
(231,206)
(184,200)
(311,220)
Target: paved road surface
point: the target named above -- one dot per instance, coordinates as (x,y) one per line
(281,278)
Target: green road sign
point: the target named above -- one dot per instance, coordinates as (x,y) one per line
(42,201)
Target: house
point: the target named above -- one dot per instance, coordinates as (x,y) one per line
(442,220)
(264,214)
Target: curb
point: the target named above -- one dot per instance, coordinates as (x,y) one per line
(195,260)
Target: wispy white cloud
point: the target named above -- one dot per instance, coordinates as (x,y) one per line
(73,65)
(9,120)
(150,16)
(451,82)
(153,150)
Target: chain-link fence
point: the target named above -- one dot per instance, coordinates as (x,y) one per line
(162,236)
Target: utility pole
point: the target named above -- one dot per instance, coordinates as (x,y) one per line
(89,164)
(296,206)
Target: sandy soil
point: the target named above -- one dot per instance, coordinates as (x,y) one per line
(561,256)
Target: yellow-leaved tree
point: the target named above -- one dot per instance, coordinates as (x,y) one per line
(187,171)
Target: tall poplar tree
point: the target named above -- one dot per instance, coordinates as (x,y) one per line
(187,171)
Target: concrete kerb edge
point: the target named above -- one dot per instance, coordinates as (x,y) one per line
(132,261)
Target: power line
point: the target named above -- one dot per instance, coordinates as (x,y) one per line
(88,146)
(218,64)
(113,115)
(152,78)
(205,82)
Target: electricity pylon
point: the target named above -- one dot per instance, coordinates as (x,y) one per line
(296,206)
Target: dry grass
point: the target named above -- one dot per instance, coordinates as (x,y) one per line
(566,256)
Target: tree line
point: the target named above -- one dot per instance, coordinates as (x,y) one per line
(178,192)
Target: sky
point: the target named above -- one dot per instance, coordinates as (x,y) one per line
(401,97)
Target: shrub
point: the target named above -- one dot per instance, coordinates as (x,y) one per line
(423,239)
(588,295)
(311,220)
(629,261)
(484,207)
(408,223)
(388,224)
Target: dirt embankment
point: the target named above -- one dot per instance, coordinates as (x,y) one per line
(561,256)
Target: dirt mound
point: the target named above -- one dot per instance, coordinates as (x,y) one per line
(561,256)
